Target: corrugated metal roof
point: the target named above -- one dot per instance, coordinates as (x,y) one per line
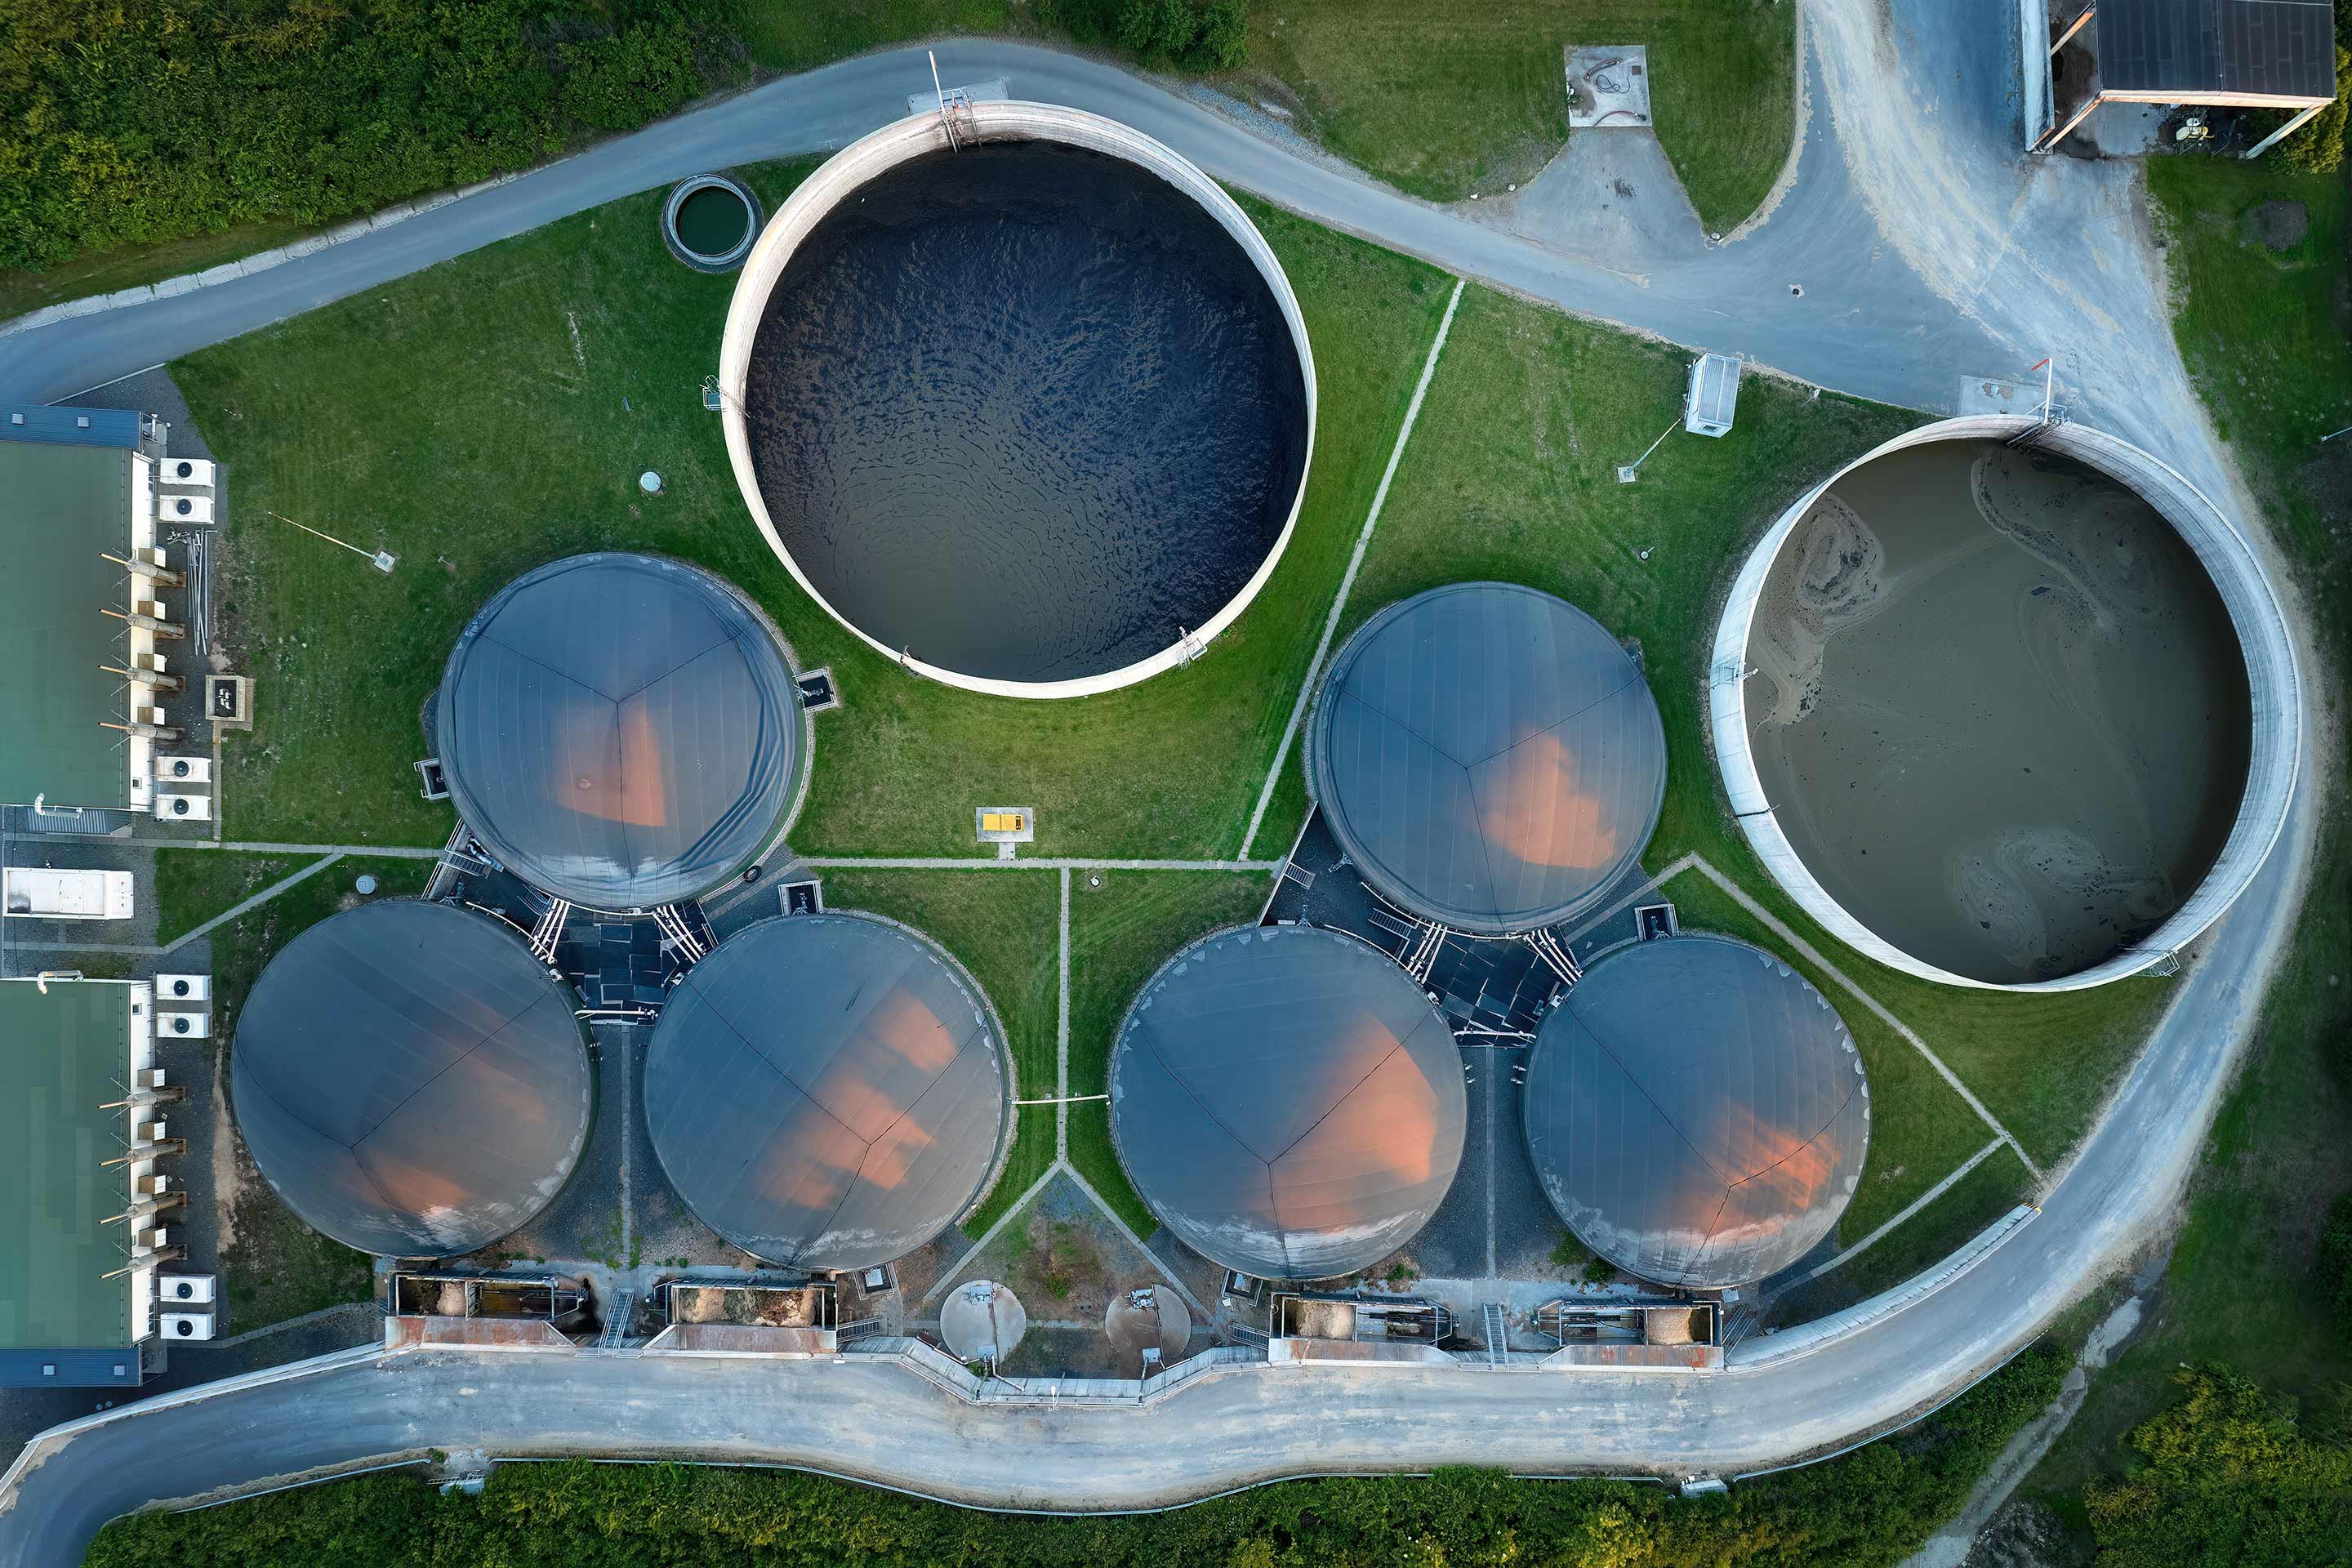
(410,1079)
(621,731)
(69,426)
(1287,1102)
(1696,1111)
(827,1091)
(1488,756)
(64,504)
(62,1055)
(2282,47)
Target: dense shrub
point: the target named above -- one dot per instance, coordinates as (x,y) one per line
(1196,35)
(2226,1480)
(135,122)
(1873,1508)
(2318,147)
(2331,1277)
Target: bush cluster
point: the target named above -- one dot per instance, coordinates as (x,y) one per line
(1874,1507)
(2226,1476)
(1192,35)
(2332,1276)
(138,122)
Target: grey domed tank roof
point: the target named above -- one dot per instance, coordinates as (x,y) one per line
(827,1091)
(410,1079)
(1488,756)
(1696,1111)
(621,731)
(1287,1102)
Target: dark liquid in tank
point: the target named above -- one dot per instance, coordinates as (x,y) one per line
(711,221)
(1999,708)
(1026,411)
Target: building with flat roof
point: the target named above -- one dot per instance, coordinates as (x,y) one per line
(80,489)
(77,1277)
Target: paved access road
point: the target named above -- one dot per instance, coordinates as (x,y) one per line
(1926,249)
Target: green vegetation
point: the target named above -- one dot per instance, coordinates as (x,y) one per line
(398,418)
(275,1266)
(810,32)
(128,266)
(192,886)
(1444,101)
(138,121)
(1871,1508)
(2226,1476)
(1004,927)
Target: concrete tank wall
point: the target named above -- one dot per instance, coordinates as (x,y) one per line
(2273,680)
(860,163)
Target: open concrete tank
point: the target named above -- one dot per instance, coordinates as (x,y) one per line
(2007,706)
(621,731)
(827,1091)
(1023,399)
(410,1080)
(1696,1112)
(1488,756)
(1287,1102)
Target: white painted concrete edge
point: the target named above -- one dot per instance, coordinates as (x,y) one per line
(910,138)
(2272,677)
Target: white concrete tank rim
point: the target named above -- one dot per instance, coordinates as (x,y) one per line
(860,163)
(2273,678)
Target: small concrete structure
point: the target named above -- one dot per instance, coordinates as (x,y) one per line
(1150,1324)
(983,1321)
(1713,395)
(1608,85)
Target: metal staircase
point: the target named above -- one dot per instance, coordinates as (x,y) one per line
(1499,1336)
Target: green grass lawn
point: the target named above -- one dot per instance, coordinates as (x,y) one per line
(1005,928)
(192,886)
(1441,101)
(404,418)
(277,1267)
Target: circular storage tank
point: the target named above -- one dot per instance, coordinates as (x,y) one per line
(621,731)
(1287,1102)
(1150,1319)
(827,1091)
(1031,417)
(709,221)
(2016,717)
(410,1080)
(1696,1112)
(1488,756)
(982,1320)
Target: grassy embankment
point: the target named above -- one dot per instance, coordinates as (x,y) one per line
(2267,336)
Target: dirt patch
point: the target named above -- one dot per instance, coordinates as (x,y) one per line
(2021,1535)
(228,1179)
(2276,225)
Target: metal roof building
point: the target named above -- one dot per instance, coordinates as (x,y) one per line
(1696,1111)
(1488,756)
(621,731)
(410,1080)
(78,490)
(77,1296)
(827,1091)
(1287,1102)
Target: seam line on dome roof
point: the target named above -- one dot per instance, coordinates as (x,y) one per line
(1485,857)
(1714,1229)
(464,1057)
(761,1057)
(1377,711)
(858,1175)
(490,636)
(351,1149)
(1342,1100)
(1642,1089)
(1800,1148)
(1240,1143)
(1631,680)
(704,653)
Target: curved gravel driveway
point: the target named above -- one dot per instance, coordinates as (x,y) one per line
(1927,249)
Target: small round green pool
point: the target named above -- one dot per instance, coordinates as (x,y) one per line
(712,221)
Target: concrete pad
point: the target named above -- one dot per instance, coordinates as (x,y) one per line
(1613,200)
(989,91)
(1608,85)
